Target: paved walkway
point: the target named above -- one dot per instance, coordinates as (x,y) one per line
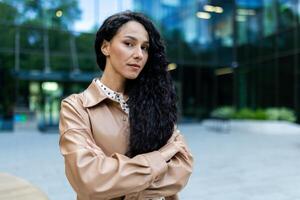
(15,188)
(228,166)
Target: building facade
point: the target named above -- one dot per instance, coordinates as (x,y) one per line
(236,52)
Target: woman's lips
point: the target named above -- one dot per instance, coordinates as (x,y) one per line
(135,66)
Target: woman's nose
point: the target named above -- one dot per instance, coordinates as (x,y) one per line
(138,53)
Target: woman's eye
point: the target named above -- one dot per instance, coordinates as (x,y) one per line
(145,48)
(129,44)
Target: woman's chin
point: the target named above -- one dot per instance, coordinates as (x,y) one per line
(132,76)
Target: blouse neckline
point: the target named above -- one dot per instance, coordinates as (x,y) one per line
(113,95)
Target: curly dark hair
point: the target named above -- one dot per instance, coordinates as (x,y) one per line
(152,97)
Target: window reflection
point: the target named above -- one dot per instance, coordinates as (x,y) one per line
(248,18)
(269,17)
(287,13)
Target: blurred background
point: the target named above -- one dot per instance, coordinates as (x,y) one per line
(236,68)
(237,55)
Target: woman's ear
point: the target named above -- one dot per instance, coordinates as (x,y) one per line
(105,47)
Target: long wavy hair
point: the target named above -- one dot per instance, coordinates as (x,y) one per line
(152,97)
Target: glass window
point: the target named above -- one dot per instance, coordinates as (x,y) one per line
(268,46)
(288,13)
(223,27)
(286,81)
(248,17)
(269,17)
(254,24)
(242,30)
(298,11)
(204,26)
(267,83)
(286,41)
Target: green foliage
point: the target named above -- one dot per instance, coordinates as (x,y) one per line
(30,18)
(281,114)
(7,36)
(261,114)
(228,112)
(225,112)
(43,13)
(244,113)
(85,49)
(8,13)
(247,113)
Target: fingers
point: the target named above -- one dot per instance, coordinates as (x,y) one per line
(168,151)
(180,146)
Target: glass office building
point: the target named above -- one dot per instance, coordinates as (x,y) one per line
(226,52)
(234,52)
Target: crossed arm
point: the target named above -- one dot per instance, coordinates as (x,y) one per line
(92,174)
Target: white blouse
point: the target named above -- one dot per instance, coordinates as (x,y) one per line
(113,95)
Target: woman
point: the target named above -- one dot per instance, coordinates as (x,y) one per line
(118,137)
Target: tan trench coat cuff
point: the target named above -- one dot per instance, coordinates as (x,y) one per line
(157,163)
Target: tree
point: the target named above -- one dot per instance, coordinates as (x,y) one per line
(30,17)
(50,13)
(8,14)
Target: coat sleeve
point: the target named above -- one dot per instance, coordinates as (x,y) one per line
(91,173)
(179,170)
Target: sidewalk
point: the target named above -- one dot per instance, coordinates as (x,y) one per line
(228,166)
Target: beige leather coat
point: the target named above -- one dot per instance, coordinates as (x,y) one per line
(94,133)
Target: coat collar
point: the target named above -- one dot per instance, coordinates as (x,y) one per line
(93,95)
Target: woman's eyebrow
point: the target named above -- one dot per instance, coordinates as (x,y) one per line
(134,38)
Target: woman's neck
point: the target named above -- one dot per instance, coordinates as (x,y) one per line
(113,81)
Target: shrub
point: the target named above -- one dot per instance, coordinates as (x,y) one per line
(228,112)
(245,113)
(284,114)
(225,112)
(260,114)
(272,113)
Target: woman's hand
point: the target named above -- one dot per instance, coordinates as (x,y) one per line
(172,147)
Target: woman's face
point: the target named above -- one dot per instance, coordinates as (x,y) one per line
(127,52)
